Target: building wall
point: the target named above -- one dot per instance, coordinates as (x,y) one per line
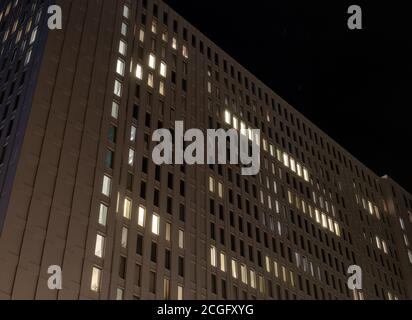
(269,227)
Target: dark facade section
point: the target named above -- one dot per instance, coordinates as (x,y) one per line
(23,31)
(87,196)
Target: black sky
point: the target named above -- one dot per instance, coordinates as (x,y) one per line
(354,85)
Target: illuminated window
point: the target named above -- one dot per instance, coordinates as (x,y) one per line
(228,117)
(103,214)
(120,67)
(276,269)
(126,11)
(181,239)
(127,210)
(152,61)
(107,186)
(324,221)
(234,269)
(150,80)
(174,43)
(267,264)
(117,88)
(286,160)
(139,72)
(115,110)
(99,247)
(133,132)
(162,88)
(154,26)
(306,175)
(252,276)
(337,229)
(213,256)
(222,262)
(378,242)
(243,128)
(131,157)
(163,69)
(235,123)
(28,57)
(125,233)
(185,52)
(141,219)
(123,29)
(211,184)
(243,273)
(410,256)
(33,35)
(179,293)
(293,165)
(141,35)
(220,190)
(164,36)
(155,224)
(122,47)
(95,283)
(119,294)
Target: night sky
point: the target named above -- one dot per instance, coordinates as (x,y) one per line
(354,85)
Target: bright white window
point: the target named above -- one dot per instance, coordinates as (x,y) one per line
(181,239)
(235,123)
(185,52)
(124,29)
(243,130)
(120,67)
(378,242)
(122,47)
(126,11)
(286,160)
(103,214)
(174,43)
(152,61)
(163,69)
(213,256)
(133,132)
(141,219)
(131,157)
(222,262)
(228,117)
(107,186)
(293,165)
(324,221)
(155,224)
(99,247)
(33,35)
(115,110)
(306,175)
(127,210)
(154,26)
(117,88)
(95,283)
(125,233)
(139,72)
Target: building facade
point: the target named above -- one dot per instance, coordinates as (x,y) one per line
(79,189)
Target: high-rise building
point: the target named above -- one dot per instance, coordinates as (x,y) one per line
(79,189)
